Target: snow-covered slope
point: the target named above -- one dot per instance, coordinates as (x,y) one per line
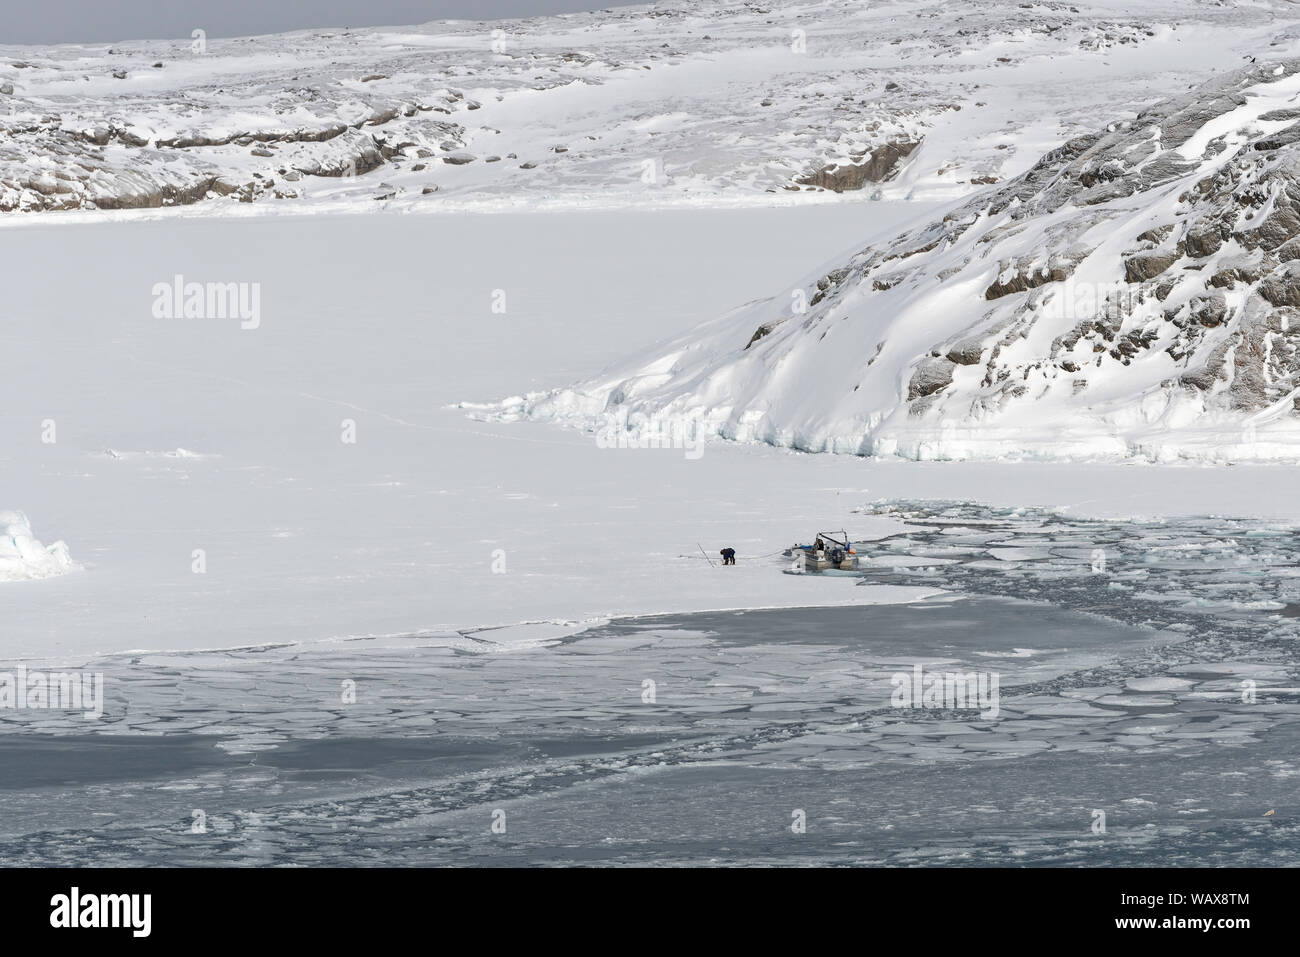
(706,101)
(1136,292)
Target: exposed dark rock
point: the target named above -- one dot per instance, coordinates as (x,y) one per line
(968,352)
(1205,377)
(1204,239)
(1209,311)
(1281,225)
(829,282)
(1025,274)
(1289,250)
(1144,266)
(763,330)
(1282,288)
(167,195)
(884,163)
(1235,270)
(1280,116)
(1157,235)
(1279,139)
(931,375)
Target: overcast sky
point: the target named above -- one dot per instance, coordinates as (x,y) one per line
(109,21)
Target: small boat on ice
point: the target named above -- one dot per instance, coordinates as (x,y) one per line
(831,551)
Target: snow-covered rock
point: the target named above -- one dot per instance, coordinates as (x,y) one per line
(23,557)
(694,101)
(1135,293)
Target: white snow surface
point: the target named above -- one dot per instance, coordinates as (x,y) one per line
(387,321)
(177,436)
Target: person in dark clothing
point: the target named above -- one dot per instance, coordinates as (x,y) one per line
(728,556)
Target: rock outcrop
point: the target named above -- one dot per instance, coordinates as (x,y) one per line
(1137,291)
(881,164)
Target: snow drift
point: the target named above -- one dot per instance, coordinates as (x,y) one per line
(23,557)
(1135,293)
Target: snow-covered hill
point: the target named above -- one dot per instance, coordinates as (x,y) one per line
(706,101)
(1136,292)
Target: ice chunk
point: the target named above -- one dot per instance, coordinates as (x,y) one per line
(23,557)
